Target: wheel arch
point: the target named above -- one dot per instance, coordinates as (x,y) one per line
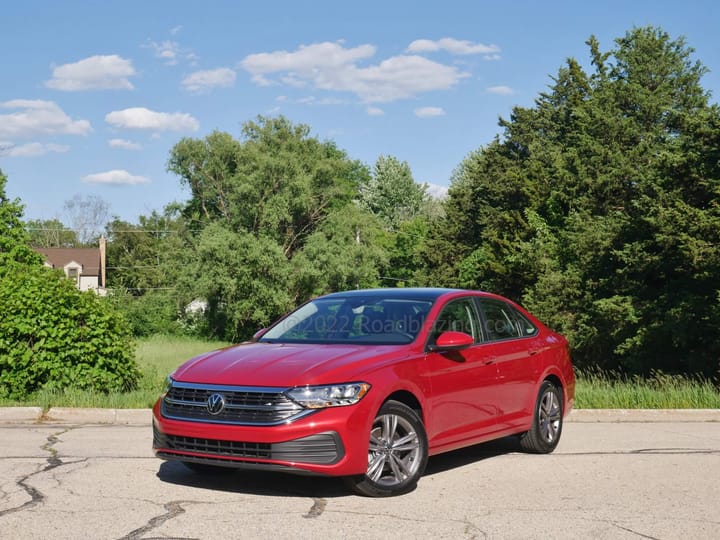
(407,398)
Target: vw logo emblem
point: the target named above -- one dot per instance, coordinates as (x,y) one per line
(215,404)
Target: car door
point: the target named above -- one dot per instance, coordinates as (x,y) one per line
(511,340)
(462,401)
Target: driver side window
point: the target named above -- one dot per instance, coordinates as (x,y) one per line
(458,316)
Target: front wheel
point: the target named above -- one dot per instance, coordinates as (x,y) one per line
(397,453)
(546,429)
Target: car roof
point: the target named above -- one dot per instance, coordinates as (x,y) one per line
(415,293)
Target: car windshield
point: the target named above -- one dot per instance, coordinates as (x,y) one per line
(367,320)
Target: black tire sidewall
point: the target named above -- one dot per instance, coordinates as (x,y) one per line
(546,446)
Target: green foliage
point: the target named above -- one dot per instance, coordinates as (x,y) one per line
(391,193)
(146,256)
(600,209)
(152,313)
(14,240)
(51,233)
(657,390)
(345,252)
(156,356)
(278,182)
(243,278)
(53,336)
(406,265)
(259,209)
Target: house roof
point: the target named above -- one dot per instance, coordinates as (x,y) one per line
(89,258)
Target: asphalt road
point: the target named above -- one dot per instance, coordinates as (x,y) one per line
(605,480)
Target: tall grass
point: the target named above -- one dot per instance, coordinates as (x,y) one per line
(157,356)
(599,390)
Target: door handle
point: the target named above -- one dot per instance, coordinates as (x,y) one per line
(489,360)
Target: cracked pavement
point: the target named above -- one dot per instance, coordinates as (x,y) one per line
(605,480)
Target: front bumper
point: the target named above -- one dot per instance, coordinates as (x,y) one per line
(330,442)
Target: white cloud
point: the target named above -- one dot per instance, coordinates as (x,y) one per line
(451,45)
(170,52)
(427,112)
(500,90)
(93,73)
(116,177)
(307,59)
(38,117)
(436,191)
(142,118)
(124,144)
(167,51)
(30,149)
(330,66)
(202,81)
(312,100)
(374,111)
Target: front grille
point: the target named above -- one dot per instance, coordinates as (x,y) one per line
(243,405)
(321,449)
(212,446)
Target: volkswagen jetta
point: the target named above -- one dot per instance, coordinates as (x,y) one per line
(367,385)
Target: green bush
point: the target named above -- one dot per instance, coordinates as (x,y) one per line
(151,313)
(53,336)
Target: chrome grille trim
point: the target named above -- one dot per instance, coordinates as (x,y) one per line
(244,405)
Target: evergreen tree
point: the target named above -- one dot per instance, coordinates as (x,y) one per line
(599,207)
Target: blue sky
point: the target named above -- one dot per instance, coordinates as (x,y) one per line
(95,94)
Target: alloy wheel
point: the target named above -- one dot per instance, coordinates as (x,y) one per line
(395,451)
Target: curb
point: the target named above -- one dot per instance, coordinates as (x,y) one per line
(68,415)
(129,417)
(20,415)
(643,415)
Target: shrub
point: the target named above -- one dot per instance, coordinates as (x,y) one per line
(53,336)
(149,314)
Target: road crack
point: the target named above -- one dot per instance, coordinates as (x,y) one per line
(173,510)
(317,509)
(52,462)
(641,535)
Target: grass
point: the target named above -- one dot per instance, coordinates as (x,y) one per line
(658,391)
(159,355)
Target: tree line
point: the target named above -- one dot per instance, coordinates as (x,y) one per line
(598,208)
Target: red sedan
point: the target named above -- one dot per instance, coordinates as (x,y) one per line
(367,384)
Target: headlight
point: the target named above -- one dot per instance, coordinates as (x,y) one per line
(166,387)
(335,395)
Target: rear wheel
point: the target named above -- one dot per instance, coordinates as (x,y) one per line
(397,453)
(546,429)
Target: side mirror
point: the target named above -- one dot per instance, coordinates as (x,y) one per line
(452,341)
(257,335)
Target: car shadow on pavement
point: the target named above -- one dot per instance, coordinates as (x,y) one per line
(472,454)
(277,484)
(268,483)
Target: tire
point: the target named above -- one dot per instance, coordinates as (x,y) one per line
(546,429)
(397,453)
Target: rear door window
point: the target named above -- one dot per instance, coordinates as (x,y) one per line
(502,321)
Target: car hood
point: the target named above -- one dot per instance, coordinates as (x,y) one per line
(285,365)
